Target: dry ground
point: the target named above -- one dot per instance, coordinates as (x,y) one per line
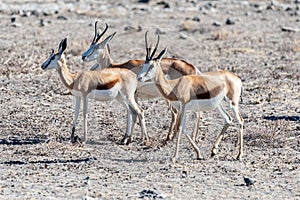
(260,43)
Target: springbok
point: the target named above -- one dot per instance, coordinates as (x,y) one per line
(104,85)
(172,68)
(203,92)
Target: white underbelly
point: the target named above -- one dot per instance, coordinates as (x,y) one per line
(201,105)
(101,95)
(147,90)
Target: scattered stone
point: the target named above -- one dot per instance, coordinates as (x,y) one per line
(42,23)
(289,29)
(196,19)
(159,31)
(229,21)
(150,194)
(183,36)
(217,24)
(143,1)
(13,19)
(15,24)
(189,25)
(61,17)
(164,4)
(249,181)
(133,28)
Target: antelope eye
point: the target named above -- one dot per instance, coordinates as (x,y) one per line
(52,58)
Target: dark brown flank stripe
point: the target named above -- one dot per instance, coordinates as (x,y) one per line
(200,94)
(209,94)
(108,85)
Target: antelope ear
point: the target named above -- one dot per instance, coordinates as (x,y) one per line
(62,46)
(105,42)
(161,55)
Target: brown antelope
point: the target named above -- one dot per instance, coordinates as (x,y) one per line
(104,85)
(203,92)
(172,68)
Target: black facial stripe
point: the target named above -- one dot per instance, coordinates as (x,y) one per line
(91,52)
(49,61)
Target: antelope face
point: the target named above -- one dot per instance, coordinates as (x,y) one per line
(51,62)
(92,53)
(147,74)
(97,45)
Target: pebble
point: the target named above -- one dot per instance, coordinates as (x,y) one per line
(143,1)
(217,24)
(249,181)
(13,19)
(159,31)
(189,25)
(289,29)
(229,21)
(133,28)
(15,24)
(62,17)
(164,4)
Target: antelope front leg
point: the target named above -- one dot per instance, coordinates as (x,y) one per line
(77,107)
(85,116)
(127,138)
(172,131)
(196,126)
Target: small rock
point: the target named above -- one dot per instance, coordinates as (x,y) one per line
(13,19)
(62,17)
(249,181)
(15,24)
(289,29)
(164,4)
(143,1)
(217,24)
(183,36)
(229,21)
(196,19)
(189,25)
(159,31)
(150,194)
(133,28)
(42,23)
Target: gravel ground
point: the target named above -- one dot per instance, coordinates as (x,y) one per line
(257,40)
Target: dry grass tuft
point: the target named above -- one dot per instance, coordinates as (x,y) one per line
(268,134)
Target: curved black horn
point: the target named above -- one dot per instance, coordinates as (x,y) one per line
(100,35)
(147,48)
(62,46)
(153,52)
(95,31)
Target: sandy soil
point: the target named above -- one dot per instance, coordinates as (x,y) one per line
(257,40)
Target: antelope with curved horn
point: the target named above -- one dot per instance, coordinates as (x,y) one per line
(104,85)
(203,92)
(172,68)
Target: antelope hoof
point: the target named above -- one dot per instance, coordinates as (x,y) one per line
(239,157)
(126,140)
(75,139)
(173,160)
(213,152)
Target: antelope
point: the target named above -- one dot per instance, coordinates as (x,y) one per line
(172,68)
(202,92)
(104,85)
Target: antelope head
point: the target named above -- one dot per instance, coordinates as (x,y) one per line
(54,60)
(149,67)
(97,45)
